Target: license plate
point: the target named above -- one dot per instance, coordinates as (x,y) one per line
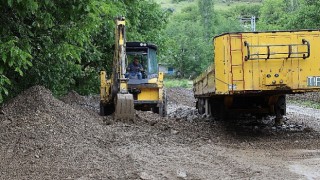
(314,81)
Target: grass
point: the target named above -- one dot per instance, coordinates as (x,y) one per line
(306,103)
(184,83)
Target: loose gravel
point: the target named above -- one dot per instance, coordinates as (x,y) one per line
(42,137)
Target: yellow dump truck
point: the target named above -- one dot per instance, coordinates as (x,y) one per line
(252,72)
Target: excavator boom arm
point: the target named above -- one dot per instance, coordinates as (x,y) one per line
(115,97)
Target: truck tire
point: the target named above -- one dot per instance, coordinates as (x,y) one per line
(161,109)
(280,106)
(200,106)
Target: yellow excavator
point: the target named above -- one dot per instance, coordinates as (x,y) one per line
(122,93)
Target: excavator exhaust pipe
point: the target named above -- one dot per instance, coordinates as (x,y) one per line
(124,107)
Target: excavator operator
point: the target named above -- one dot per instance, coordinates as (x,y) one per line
(134,69)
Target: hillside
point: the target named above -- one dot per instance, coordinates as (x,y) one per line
(177,5)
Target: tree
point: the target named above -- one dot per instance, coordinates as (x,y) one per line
(273,15)
(207,17)
(67,42)
(189,51)
(305,16)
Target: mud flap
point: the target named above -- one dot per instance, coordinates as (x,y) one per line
(124,107)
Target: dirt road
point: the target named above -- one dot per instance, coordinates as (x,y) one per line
(42,137)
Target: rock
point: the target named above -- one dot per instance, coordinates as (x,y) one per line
(82,178)
(307,129)
(146,176)
(190,118)
(6,122)
(182,174)
(152,123)
(174,132)
(107,121)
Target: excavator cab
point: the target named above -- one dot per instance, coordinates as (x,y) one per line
(147,57)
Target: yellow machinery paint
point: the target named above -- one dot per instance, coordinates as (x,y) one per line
(114,95)
(152,94)
(148,94)
(261,64)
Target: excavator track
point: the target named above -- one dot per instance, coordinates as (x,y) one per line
(124,107)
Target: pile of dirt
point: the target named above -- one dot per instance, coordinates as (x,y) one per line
(181,96)
(90,102)
(181,105)
(41,136)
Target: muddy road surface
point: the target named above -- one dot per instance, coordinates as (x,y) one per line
(42,137)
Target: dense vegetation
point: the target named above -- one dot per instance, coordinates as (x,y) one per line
(63,44)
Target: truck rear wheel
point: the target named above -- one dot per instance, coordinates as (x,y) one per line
(280,109)
(161,109)
(200,106)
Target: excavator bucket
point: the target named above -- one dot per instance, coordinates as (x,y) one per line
(124,107)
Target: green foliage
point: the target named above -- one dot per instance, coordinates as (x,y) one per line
(177,1)
(67,42)
(273,15)
(191,31)
(146,22)
(289,15)
(13,59)
(189,51)
(247,10)
(184,83)
(305,16)
(206,10)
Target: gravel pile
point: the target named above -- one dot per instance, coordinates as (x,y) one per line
(181,105)
(90,102)
(184,112)
(181,96)
(41,136)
